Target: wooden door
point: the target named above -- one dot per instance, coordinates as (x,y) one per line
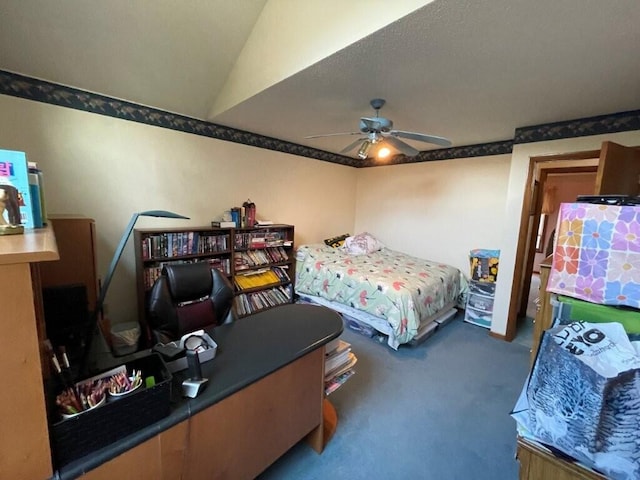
(618,173)
(618,170)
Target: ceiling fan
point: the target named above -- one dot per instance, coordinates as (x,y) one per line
(377,132)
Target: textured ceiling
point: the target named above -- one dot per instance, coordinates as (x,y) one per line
(468,70)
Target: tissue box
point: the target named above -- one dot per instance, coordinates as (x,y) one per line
(204,355)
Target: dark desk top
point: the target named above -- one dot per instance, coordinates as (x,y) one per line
(248,350)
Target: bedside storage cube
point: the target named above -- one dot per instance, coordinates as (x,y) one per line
(479,307)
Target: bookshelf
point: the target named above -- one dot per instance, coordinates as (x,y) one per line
(258,261)
(263,267)
(157,247)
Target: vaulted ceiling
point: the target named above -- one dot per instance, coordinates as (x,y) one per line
(469,70)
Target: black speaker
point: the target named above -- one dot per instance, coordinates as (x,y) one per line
(66,314)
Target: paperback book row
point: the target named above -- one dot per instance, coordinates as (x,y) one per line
(247,303)
(256,258)
(21,191)
(338,365)
(152,273)
(261,278)
(167,245)
(250,240)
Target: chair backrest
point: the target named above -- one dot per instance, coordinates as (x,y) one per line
(188,297)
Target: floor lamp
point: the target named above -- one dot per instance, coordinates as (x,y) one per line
(112,267)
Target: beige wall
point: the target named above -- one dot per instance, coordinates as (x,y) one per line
(107,169)
(435,210)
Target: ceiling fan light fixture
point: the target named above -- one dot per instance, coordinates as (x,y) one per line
(383,152)
(363,151)
(374,130)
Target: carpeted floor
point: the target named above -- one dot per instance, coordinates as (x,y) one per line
(436,411)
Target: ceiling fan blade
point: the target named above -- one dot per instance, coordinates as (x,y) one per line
(351,146)
(398,144)
(333,134)
(443,142)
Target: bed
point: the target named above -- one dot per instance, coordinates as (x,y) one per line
(399,295)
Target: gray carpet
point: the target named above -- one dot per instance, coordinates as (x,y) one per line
(436,411)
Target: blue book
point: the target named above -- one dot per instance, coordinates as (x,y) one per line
(34,188)
(15,196)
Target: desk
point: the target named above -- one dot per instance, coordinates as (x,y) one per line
(24,433)
(265,393)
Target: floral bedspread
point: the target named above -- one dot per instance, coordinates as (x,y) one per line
(392,285)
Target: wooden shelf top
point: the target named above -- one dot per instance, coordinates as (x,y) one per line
(34,245)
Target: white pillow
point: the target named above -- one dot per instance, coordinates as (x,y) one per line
(362,244)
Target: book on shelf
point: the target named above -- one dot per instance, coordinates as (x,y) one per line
(37,200)
(223,224)
(255,279)
(348,364)
(337,381)
(247,303)
(33,168)
(178,244)
(254,258)
(330,347)
(337,358)
(15,192)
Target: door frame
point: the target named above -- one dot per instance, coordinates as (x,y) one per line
(539,168)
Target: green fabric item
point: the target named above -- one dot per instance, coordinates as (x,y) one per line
(597,313)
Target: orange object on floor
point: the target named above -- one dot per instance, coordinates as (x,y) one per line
(329,420)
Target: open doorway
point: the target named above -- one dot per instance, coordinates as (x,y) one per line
(540,170)
(555,188)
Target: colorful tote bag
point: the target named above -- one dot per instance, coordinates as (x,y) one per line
(597,254)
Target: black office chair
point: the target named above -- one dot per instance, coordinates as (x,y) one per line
(188,297)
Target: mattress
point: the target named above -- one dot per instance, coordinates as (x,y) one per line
(399,292)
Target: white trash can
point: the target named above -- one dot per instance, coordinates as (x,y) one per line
(124,338)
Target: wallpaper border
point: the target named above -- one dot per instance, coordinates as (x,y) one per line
(582,127)
(21,86)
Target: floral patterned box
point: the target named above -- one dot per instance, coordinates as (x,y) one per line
(597,254)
